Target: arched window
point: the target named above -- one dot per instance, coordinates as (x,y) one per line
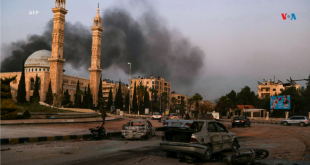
(31,84)
(39,83)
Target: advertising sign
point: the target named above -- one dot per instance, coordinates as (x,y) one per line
(280,102)
(146,111)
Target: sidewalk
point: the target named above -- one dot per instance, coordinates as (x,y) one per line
(57,121)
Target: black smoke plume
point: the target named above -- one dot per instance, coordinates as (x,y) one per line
(147,43)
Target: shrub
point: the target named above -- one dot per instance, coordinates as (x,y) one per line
(26,114)
(8,108)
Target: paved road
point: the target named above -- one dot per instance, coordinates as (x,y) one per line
(286,145)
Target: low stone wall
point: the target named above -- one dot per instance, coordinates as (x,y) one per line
(63,115)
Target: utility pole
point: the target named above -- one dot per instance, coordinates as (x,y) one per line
(129,86)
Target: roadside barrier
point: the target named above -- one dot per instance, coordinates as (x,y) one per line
(50,138)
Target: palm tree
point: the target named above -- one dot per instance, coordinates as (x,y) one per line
(197,98)
(190,102)
(173,102)
(140,94)
(165,99)
(152,90)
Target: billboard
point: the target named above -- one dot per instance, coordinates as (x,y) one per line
(280,102)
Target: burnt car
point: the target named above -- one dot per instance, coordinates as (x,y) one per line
(198,138)
(138,129)
(241,120)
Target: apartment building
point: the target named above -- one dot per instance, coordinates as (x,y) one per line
(151,82)
(271,88)
(109,84)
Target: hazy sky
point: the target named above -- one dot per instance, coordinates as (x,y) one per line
(243,41)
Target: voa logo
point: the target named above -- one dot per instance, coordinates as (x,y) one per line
(292,16)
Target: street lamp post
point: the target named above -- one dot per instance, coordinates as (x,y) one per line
(129,86)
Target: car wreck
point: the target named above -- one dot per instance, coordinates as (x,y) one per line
(198,138)
(138,129)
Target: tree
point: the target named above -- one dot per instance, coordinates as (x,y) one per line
(110,101)
(155,103)
(119,103)
(21,91)
(99,91)
(152,90)
(232,96)
(89,98)
(101,103)
(127,102)
(77,100)
(66,100)
(197,98)
(182,105)
(140,93)
(246,97)
(173,103)
(85,99)
(164,99)
(146,99)
(49,95)
(36,95)
(8,108)
(190,102)
(134,100)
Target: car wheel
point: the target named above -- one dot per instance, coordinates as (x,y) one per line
(171,154)
(285,124)
(235,146)
(302,124)
(208,153)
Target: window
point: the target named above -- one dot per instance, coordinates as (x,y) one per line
(156,87)
(165,89)
(147,82)
(36,69)
(152,82)
(32,69)
(156,82)
(179,97)
(165,84)
(197,126)
(65,81)
(211,127)
(221,127)
(274,89)
(31,84)
(43,69)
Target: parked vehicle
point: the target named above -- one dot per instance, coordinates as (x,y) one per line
(301,120)
(173,116)
(156,115)
(198,138)
(138,129)
(240,120)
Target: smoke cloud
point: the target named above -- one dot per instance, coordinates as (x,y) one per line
(145,42)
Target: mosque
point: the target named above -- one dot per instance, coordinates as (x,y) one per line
(48,65)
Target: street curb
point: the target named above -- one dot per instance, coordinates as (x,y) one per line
(256,122)
(138,117)
(50,138)
(59,121)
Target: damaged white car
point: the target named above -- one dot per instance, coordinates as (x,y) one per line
(138,129)
(199,138)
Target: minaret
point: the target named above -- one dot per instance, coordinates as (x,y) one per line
(57,60)
(96,57)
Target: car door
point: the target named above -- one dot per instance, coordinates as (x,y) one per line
(293,120)
(226,137)
(215,137)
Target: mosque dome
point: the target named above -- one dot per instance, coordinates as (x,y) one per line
(38,59)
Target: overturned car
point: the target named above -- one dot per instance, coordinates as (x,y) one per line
(138,129)
(199,138)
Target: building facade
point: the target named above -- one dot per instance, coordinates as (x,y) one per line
(48,65)
(271,88)
(114,86)
(151,82)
